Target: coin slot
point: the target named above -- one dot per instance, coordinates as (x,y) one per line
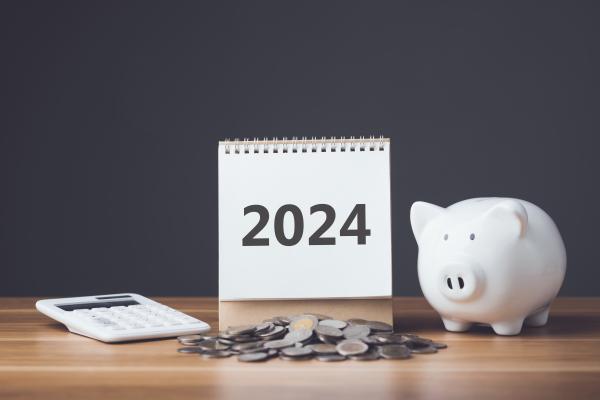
(461,283)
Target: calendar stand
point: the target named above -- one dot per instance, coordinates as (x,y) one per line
(248,312)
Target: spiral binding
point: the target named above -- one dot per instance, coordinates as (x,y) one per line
(304,145)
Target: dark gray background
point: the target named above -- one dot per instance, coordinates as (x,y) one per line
(111,112)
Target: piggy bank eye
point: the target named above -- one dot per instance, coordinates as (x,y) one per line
(446,236)
(472,236)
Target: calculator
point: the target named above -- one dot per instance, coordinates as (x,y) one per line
(120,317)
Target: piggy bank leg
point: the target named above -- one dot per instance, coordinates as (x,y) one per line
(538,318)
(456,326)
(508,327)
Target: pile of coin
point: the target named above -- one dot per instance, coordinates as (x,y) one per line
(310,336)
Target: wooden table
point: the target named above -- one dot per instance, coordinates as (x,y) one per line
(40,359)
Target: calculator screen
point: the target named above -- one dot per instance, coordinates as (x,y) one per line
(96,304)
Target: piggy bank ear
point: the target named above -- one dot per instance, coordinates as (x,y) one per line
(421,214)
(511,212)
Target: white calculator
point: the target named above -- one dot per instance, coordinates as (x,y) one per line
(120,317)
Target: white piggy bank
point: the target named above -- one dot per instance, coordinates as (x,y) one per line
(495,261)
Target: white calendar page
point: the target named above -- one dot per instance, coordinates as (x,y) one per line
(270,244)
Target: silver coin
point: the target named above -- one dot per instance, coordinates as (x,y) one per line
(330,357)
(275,332)
(258,346)
(253,350)
(377,326)
(391,338)
(357,321)
(423,350)
(370,355)
(264,327)
(356,331)
(272,352)
(299,335)
(327,340)
(417,343)
(190,350)
(281,320)
(371,340)
(334,323)
(278,344)
(439,345)
(245,339)
(394,351)
(192,338)
(419,339)
(323,348)
(351,347)
(296,351)
(184,343)
(253,357)
(247,346)
(241,330)
(226,335)
(288,358)
(329,332)
(216,354)
(225,341)
(212,344)
(194,342)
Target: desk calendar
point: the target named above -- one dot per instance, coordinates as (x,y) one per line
(304,219)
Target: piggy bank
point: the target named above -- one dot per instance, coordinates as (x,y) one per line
(496,261)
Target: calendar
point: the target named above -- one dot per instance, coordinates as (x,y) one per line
(304,219)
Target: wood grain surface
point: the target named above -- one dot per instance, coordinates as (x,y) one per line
(40,359)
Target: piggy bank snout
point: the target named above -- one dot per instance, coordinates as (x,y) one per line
(461,281)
